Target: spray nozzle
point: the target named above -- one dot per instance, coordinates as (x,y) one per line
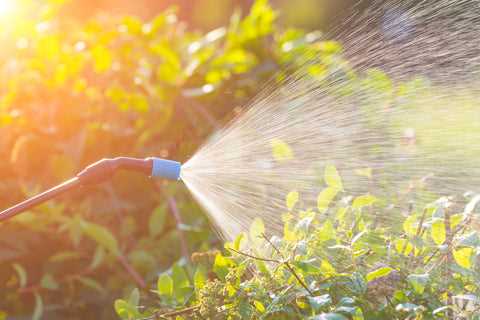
(106,168)
(98,172)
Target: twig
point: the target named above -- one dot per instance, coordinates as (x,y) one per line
(289,267)
(158,315)
(254,257)
(178,312)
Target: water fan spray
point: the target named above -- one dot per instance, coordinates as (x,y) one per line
(100,172)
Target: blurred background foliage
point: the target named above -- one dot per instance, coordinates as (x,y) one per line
(78,83)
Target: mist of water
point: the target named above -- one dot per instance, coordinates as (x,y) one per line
(418,130)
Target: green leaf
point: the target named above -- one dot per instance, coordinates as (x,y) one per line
(319,302)
(292,199)
(38,311)
(418,282)
(259,306)
(281,151)
(221,266)
(125,310)
(200,277)
(325,198)
(326,268)
(403,246)
(363,201)
(409,225)
(438,231)
(102,236)
(326,232)
(134,297)
(332,178)
(157,220)
(22,274)
(48,282)
(378,273)
(180,279)
(463,257)
(3,315)
(165,285)
(238,241)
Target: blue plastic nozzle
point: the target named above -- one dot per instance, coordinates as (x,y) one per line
(165,168)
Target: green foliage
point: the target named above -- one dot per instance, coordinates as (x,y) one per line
(331,266)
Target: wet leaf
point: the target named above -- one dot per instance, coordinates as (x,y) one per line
(438,231)
(332,178)
(378,273)
(325,198)
(292,199)
(281,151)
(464,257)
(363,201)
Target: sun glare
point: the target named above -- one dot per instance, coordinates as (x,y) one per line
(6,6)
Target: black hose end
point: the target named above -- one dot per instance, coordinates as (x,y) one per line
(104,169)
(98,172)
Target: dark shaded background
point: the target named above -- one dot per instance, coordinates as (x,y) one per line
(209,14)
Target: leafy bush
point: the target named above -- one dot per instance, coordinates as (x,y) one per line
(74,92)
(337,261)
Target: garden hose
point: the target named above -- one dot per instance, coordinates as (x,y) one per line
(97,173)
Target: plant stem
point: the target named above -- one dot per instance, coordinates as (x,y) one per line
(131,271)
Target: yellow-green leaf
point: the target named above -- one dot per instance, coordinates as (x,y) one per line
(292,199)
(403,246)
(456,219)
(325,198)
(463,257)
(378,273)
(327,268)
(259,306)
(200,277)
(165,285)
(365,172)
(409,225)
(332,178)
(363,201)
(438,232)
(281,151)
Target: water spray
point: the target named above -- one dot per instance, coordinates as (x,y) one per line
(98,172)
